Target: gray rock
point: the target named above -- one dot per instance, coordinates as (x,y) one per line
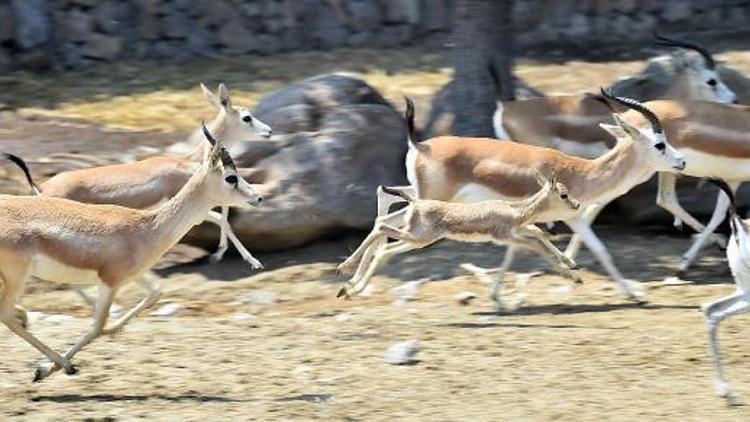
(360,39)
(32,23)
(401,11)
(76,25)
(364,15)
(327,30)
(5,60)
(235,39)
(214,12)
(402,353)
(103,47)
(676,10)
(176,25)
(321,180)
(267,44)
(7,26)
(436,17)
(146,19)
(112,16)
(393,35)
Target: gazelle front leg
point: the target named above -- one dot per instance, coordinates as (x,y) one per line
(106,295)
(222,220)
(666,198)
(628,287)
(153,295)
(590,214)
(722,205)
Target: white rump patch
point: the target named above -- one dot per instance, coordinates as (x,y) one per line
(411,170)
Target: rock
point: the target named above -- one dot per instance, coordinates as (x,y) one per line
(360,39)
(402,353)
(167,310)
(267,44)
(103,47)
(260,298)
(5,60)
(235,38)
(407,291)
(241,316)
(465,297)
(216,13)
(393,35)
(320,181)
(76,25)
(676,10)
(364,15)
(7,27)
(147,21)
(437,17)
(176,25)
(401,11)
(112,17)
(327,30)
(32,23)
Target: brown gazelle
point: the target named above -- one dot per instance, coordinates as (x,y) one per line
(497,221)
(60,240)
(570,124)
(150,182)
(456,169)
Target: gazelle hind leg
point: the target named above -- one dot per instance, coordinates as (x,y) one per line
(715,313)
(720,211)
(382,255)
(396,218)
(13,282)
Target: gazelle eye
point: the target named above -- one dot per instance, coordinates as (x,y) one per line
(711,82)
(247,119)
(660,146)
(231,179)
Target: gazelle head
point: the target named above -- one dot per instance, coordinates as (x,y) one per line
(226,188)
(661,155)
(699,76)
(556,192)
(239,121)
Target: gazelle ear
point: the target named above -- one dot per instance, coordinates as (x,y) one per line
(614,130)
(224,99)
(213,99)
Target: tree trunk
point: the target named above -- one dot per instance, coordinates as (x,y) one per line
(483,41)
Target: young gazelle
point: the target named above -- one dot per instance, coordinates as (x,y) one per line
(497,221)
(455,169)
(148,183)
(738,257)
(60,240)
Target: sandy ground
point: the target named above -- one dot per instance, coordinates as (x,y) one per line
(578,353)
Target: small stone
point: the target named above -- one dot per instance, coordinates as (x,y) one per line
(241,316)
(344,317)
(100,46)
(408,290)
(260,298)
(402,353)
(169,309)
(465,297)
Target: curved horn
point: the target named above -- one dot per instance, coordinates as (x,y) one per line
(207,134)
(226,159)
(637,106)
(691,45)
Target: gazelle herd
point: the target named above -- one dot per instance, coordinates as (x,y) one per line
(558,158)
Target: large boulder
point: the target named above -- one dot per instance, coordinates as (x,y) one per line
(335,140)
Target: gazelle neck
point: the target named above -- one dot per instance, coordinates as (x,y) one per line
(218,127)
(530,207)
(183,211)
(612,174)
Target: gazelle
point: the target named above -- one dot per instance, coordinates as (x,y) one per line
(496,221)
(150,182)
(570,124)
(738,257)
(455,169)
(60,240)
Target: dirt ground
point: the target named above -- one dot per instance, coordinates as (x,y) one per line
(277,344)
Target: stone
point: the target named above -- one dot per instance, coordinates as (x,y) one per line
(167,310)
(319,173)
(146,19)
(360,39)
(5,61)
(364,15)
(7,26)
(100,46)
(235,38)
(267,44)
(393,35)
(326,29)
(465,297)
(676,10)
(401,11)
(215,12)
(176,26)
(32,23)
(402,353)
(437,16)
(112,17)
(76,25)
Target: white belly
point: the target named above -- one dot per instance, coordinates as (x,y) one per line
(472,238)
(700,164)
(578,149)
(49,269)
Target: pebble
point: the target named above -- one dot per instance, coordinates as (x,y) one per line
(465,297)
(168,309)
(260,298)
(402,353)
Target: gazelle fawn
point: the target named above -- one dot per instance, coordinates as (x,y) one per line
(60,240)
(497,221)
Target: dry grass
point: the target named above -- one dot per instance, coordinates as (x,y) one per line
(161,97)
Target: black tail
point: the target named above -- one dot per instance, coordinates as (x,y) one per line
(409,116)
(22,164)
(733,217)
(396,192)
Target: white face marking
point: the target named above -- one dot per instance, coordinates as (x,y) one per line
(258,127)
(709,87)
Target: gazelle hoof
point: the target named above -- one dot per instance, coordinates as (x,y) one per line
(72,370)
(255,264)
(680,274)
(215,257)
(343,293)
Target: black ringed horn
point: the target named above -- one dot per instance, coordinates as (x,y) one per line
(637,106)
(207,134)
(691,45)
(226,159)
